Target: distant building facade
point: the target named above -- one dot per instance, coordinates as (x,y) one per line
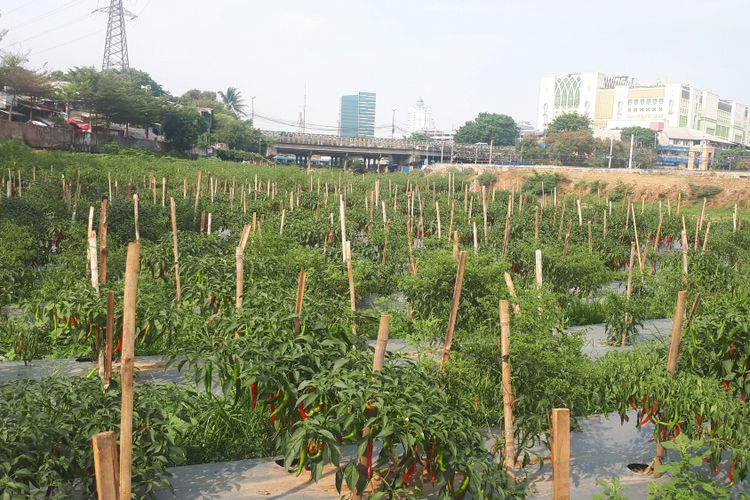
(357,115)
(616,102)
(420,118)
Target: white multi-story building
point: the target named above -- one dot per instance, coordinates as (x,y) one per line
(616,102)
(420,118)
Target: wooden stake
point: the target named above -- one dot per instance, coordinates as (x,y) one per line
(705,238)
(454,309)
(509,453)
(591,237)
(629,290)
(538,268)
(103,248)
(93,261)
(476,244)
(106,467)
(175,253)
(674,353)
(300,297)
(352,296)
(685,249)
(512,291)
(197,196)
(126,368)
(381,344)
(135,217)
(560,454)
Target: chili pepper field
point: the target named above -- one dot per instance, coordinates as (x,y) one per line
(379,335)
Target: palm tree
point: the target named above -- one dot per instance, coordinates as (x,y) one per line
(232,99)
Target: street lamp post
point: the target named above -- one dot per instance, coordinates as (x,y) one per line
(393,124)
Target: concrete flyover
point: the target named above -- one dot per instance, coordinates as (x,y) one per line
(372,150)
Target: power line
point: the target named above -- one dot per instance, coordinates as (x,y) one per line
(56,28)
(98,32)
(44,15)
(22,6)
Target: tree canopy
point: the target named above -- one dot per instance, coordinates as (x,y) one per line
(488,127)
(643,137)
(234,102)
(569,122)
(182,126)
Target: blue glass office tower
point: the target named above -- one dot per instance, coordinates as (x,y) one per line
(357,116)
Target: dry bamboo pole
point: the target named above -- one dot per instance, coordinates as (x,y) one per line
(90,228)
(450,225)
(239,260)
(560,454)
(103,248)
(679,204)
(512,291)
(697,233)
(567,238)
(342,217)
(352,295)
(298,303)
(734,218)
(685,249)
(509,453)
(163,192)
(455,245)
(476,243)
(591,239)
(135,217)
(674,354)
(705,239)
(208,225)
(202,227)
(538,269)
(106,467)
(108,336)
(637,244)
(93,261)
(536,223)
(437,216)
(484,213)
(703,214)
(454,309)
(175,253)
(629,289)
(580,212)
(197,196)
(126,368)
(281,225)
(562,222)
(657,238)
(506,235)
(604,231)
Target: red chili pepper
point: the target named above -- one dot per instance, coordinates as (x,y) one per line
(653,408)
(731,350)
(677,430)
(369,458)
(632,405)
(725,384)
(731,471)
(73,320)
(118,347)
(302,412)
(18,348)
(716,469)
(645,420)
(254,394)
(408,473)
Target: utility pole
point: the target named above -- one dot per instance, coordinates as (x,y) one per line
(452,152)
(611,145)
(630,160)
(393,124)
(492,143)
(252,111)
(116,43)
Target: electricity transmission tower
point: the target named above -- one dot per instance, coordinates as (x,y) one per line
(116,44)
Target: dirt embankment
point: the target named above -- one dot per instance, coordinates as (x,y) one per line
(730,187)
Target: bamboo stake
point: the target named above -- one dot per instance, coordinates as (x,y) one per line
(604,232)
(685,248)
(637,244)
(512,291)
(536,223)
(454,309)
(705,238)
(476,244)
(103,248)
(352,296)
(300,297)
(591,237)
(93,261)
(538,268)
(560,454)
(437,216)
(734,219)
(342,216)
(175,253)
(629,290)
(509,453)
(126,368)
(567,238)
(106,467)
(135,217)
(580,212)
(674,353)
(197,196)
(281,226)
(208,227)
(450,226)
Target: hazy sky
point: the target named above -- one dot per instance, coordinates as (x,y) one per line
(461,56)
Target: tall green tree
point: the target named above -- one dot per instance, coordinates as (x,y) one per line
(182,127)
(488,127)
(569,122)
(234,102)
(237,134)
(642,136)
(21,80)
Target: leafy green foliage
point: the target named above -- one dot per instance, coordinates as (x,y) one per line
(569,122)
(488,127)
